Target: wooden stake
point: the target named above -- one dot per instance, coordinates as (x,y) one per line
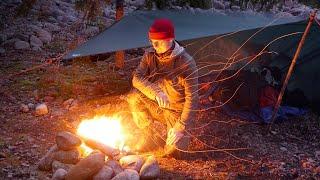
(119,56)
(293,63)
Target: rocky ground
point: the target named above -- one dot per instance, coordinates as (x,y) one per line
(36,105)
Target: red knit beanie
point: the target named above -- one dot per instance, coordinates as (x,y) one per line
(161,29)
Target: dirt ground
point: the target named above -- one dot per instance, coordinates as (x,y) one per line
(289,150)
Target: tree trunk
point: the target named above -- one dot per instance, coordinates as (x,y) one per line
(119,56)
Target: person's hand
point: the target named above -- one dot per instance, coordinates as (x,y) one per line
(173,136)
(162,100)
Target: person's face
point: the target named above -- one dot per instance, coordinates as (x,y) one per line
(161,46)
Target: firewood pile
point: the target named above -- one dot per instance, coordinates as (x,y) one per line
(66,160)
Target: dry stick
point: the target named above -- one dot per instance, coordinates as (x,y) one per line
(293,63)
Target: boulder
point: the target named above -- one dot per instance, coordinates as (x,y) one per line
(87,167)
(127,174)
(59,165)
(150,169)
(67,141)
(134,162)
(35,42)
(116,167)
(41,109)
(59,174)
(46,161)
(68,157)
(44,35)
(21,45)
(105,172)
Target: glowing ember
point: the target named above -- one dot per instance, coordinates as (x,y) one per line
(106,130)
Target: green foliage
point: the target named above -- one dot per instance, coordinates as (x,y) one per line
(161,4)
(312,3)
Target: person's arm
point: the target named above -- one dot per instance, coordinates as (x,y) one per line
(191,96)
(140,79)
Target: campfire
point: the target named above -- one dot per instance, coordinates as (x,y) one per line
(98,150)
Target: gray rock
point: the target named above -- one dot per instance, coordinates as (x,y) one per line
(24,108)
(105,172)
(59,165)
(3,38)
(127,174)
(134,162)
(42,109)
(51,27)
(2,51)
(116,167)
(46,161)
(59,174)
(235,8)
(31,105)
(44,36)
(67,141)
(150,169)
(92,30)
(21,45)
(87,167)
(35,42)
(218,5)
(68,157)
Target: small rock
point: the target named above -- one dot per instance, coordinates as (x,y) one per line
(134,162)
(46,161)
(116,167)
(35,42)
(41,109)
(235,8)
(87,167)
(150,169)
(24,108)
(59,165)
(67,141)
(21,45)
(127,174)
(59,174)
(51,27)
(105,172)
(68,157)
(2,51)
(31,105)
(283,149)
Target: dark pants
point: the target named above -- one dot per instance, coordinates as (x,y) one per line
(145,111)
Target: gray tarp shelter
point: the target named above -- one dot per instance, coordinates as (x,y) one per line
(196,29)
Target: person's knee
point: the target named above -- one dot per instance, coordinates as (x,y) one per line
(133,97)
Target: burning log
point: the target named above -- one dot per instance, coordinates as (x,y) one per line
(105,149)
(87,167)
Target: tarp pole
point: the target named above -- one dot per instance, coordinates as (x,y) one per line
(119,56)
(293,63)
